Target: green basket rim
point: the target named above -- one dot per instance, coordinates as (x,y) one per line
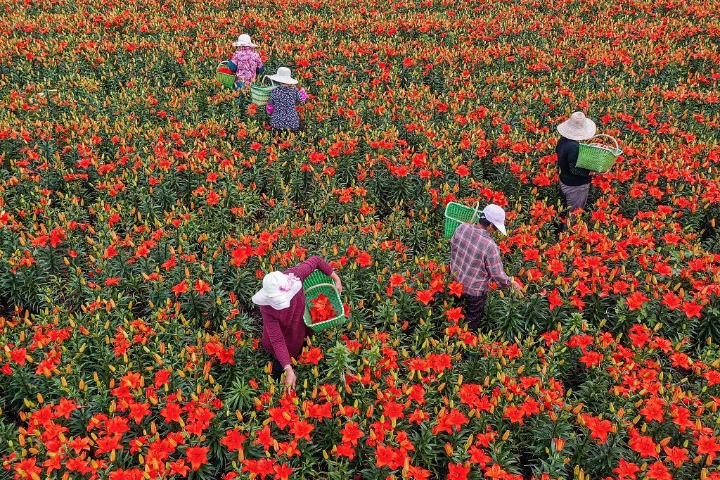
(599,148)
(597,157)
(452,210)
(319,279)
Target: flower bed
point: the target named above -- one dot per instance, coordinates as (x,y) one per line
(140,203)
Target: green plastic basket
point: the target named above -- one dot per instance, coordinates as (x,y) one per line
(596,156)
(456,213)
(225,79)
(314,285)
(260,94)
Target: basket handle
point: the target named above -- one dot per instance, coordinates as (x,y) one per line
(617,147)
(262,81)
(475,213)
(320,285)
(265,77)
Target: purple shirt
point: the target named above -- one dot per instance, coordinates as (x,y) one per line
(284,331)
(475,260)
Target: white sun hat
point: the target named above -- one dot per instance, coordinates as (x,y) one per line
(495,215)
(244,41)
(577,127)
(277,290)
(283,75)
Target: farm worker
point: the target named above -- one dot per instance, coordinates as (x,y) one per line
(282,305)
(574,181)
(247,60)
(282,101)
(475,262)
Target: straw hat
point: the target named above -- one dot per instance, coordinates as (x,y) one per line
(277,290)
(577,127)
(244,41)
(283,76)
(495,215)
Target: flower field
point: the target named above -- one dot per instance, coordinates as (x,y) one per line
(140,204)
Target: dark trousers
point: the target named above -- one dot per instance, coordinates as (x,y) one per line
(575,196)
(474,310)
(277,369)
(282,134)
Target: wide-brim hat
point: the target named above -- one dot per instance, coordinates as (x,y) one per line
(278,290)
(244,41)
(577,127)
(283,75)
(495,215)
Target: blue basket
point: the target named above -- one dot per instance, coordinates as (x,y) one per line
(259,93)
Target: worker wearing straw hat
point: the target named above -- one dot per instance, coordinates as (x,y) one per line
(247,60)
(282,305)
(475,262)
(574,181)
(282,101)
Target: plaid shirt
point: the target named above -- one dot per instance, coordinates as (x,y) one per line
(475,260)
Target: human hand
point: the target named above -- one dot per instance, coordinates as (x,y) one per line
(518,288)
(290,378)
(338,283)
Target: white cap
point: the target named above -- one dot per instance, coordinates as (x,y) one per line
(495,215)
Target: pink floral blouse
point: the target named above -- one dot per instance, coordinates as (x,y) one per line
(247,61)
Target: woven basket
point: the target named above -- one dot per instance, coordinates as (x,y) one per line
(315,284)
(596,156)
(456,213)
(225,79)
(260,94)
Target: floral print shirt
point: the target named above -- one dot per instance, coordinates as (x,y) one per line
(282,103)
(248,61)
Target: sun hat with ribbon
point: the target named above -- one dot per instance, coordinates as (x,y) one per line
(577,127)
(244,41)
(495,215)
(277,290)
(283,75)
